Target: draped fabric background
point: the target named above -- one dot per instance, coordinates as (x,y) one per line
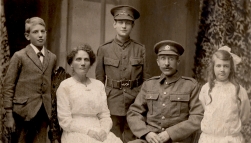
(4,60)
(225,22)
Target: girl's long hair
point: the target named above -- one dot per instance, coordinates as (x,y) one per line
(222,55)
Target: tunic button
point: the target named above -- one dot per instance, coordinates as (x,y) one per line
(163,117)
(163,129)
(166,82)
(164,92)
(124,90)
(178,98)
(124,69)
(124,57)
(150,96)
(164,104)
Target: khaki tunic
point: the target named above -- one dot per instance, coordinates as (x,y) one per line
(167,104)
(121,61)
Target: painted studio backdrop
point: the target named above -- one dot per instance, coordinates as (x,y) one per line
(201,26)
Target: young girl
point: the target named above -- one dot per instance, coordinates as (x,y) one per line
(225,102)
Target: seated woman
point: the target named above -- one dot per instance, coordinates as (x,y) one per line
(82,108)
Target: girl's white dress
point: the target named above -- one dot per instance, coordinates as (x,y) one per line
(225,115)
(82,108)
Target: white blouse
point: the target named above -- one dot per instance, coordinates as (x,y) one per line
(81,108)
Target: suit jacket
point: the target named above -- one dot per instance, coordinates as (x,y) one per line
(27,83)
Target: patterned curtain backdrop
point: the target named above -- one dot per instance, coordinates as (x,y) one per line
(4,61)
(225,22)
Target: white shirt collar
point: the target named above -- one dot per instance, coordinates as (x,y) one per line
(36,50)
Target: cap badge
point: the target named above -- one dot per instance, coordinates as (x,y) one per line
(167,47)
(124,12)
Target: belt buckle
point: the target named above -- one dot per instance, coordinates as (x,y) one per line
(125,83)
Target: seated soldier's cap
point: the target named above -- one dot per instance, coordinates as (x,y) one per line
(168,47)
(125,12)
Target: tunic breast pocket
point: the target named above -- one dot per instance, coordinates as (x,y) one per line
(152,100)
(137,66)
(179,103)
(136,61)
(111,62)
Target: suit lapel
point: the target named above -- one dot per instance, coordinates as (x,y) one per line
(33,56)
(46,59)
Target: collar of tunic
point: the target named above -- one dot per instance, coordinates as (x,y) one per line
(122,44)
(168,80)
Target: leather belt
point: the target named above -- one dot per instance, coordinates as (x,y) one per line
(119,84)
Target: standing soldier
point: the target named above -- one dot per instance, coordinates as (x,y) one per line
(121,66)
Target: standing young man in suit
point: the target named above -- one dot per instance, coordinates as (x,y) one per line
(121,64)
(27,87)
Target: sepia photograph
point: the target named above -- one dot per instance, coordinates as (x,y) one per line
(125,71)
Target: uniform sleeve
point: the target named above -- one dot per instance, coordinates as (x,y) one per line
(184,129)
(10,81)
(135,118)
(100,71)
(146,74)
(244,106)
(64,111)
(104,115)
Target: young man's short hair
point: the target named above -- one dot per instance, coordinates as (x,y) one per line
(33,21)
(122,20)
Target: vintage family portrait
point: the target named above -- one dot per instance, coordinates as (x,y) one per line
(125,71)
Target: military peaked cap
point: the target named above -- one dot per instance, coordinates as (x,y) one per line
(125,12)
(168,47)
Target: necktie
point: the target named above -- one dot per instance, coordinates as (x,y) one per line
(40,54)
